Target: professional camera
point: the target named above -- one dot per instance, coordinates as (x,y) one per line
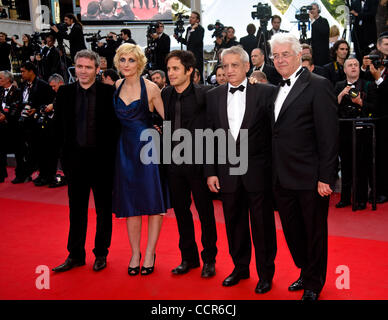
(353,93)
(94,37)
(10,39)
(377,60)
(179,23)
(263,12)
(11,110)
(218,28)
(302,15)
(43,116)
(151,29)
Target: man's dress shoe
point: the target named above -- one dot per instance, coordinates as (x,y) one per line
(361,206)
(208,270)
(235,278)
(310,295)
(99,263)
(18,180)
(263,286)
(297,285)
(69,264)
(185,267)
(342,204)
(381,199)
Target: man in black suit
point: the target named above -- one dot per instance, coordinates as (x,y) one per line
(307,50)
(162,48)
(258,57)
(87,132)
(50,58)
(184,106)
(365,29)
(246,195)
(9,114)
(36,94)
(194,40)
(304,160)
(320,32)
(249,42)
(75,36)
(5,50)
(348,107)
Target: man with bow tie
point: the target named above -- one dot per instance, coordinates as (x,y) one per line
(245,197)
(304,161)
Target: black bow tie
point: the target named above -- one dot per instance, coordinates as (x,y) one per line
(282,82)
(233,90)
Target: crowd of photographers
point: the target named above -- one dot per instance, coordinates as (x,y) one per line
(359,82)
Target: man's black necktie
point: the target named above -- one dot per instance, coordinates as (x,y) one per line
(178,109)
(82,126)
(233,89)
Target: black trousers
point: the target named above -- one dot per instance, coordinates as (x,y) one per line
(382,157)
(240,207)
(363,160)
(184,181)
(85,174)
(303,214)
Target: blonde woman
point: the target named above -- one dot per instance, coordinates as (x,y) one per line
(138,188)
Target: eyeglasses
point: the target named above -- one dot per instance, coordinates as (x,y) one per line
(283,55)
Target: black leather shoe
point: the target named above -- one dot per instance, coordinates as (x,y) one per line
(342,204)
(18,180)
(40,182)
(263,286)
(69,264)
(99,263)
(185,267)
(310,295)
(235,278)
(208,270)
(297,285)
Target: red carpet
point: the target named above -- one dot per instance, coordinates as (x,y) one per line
(34,232)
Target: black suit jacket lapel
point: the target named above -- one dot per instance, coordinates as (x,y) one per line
(223,107)
(300,84)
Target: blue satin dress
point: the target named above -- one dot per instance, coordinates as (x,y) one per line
(139,189)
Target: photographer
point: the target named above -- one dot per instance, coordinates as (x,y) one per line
(194,40)
(26,47)
(107,49)
(365,30)
(230,39)
(9,114)
(320,32)
(356,97)
(162,47)
(75,36)
(376,68)
(5,50)
(126,36)
(36,95)
(335,69)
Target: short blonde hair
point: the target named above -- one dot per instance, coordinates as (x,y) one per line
(127,48)
(334,31)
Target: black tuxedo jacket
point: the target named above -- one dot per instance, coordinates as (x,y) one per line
(161,51)
(320,32)
(304,137)
(273,76)
(257,120)
(14,96)
(51,62)
(107,126)
(249,43)
(195,43)
(40,93)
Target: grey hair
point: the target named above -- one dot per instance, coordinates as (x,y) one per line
(160,72)
(56,77)
(8,75)
(236,50)
(286,38)
(85,53)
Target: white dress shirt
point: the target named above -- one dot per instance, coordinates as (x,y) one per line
(283,93)
(236,108)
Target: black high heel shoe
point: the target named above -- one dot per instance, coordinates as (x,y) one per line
(134,271)
(145,271)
